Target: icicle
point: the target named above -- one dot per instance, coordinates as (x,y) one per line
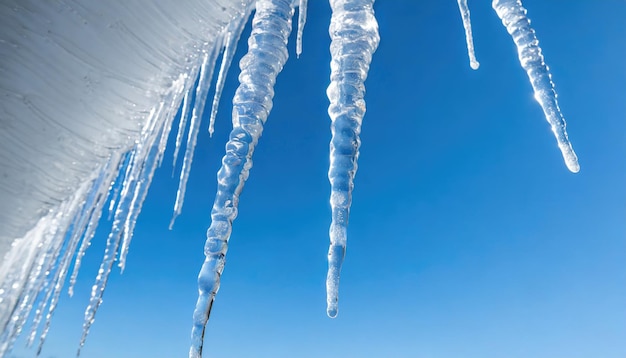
(354,34)
(144,161)
(182,125)
(233,33)
(301,21)
(148,167)
(133,184)
(64,269)
(513,16)
(467,24)
(204,83)
(116,185)
(122,172)
(94,202)
(267,54)
(184,115)
(45,241)
(98,193)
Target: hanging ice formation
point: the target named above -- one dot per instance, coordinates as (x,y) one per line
(513,16)
(469,38)
(113,72)
(354,38)
(267,53)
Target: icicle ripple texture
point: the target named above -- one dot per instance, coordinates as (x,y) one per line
(354,38)
(89,95)
(267,53)
(513,16)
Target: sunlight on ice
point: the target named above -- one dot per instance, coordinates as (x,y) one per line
(513,16)
(122,163)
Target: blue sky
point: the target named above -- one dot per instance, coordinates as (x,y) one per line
(468,235)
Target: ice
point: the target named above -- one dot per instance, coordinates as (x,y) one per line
(267,53)
(202,90)
(26,269)
(513,16)
(233,33)
(354,35)
(145,159)
(94,218)
(467,24)
(301,21)
(100,85)
(78,86)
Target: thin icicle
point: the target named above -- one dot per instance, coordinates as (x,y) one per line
(100,199)
(184,116)
(513,16)
(122,172)
(204,83)
(144,165)
(354,34)
(47,236)
(116,186)
(99,191)
(267,54)
(156,155)
(182,125)
(144,161)
(140,191)
(467,24)
(233,33)
(301,21)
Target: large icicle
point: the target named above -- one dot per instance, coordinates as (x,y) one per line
(354,34)
(267,54)
(233,33)
(467,24)
(513,16)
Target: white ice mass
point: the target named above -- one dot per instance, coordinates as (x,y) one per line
(89,95)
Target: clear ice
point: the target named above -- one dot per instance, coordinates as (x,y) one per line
(354,38)
(267,54)
(469,38)
(513,16)
(110,84)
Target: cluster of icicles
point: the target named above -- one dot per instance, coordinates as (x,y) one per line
(123,180)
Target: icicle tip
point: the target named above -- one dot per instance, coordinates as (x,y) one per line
(332,312)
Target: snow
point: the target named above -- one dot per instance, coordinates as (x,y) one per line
(100,86)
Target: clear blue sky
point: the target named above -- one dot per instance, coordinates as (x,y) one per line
(468,235)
